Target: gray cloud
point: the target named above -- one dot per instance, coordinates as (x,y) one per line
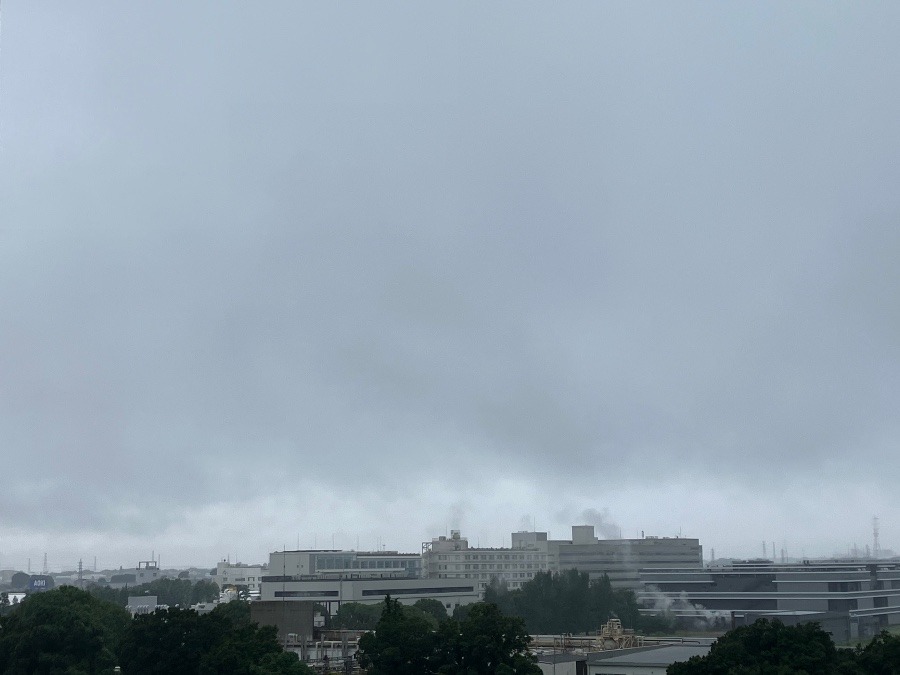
(249,252)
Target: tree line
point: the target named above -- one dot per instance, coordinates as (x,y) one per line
(553,603)
(359,616)
(171,592)
(71,631)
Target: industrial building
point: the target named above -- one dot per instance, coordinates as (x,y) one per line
(452,558)
(623,559)
(350,564)
(332,592)
(866,593)
(532,552)
(331,578)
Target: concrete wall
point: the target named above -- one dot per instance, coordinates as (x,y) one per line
(287,617)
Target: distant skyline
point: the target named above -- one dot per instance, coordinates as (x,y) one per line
(343,541)
(378,271)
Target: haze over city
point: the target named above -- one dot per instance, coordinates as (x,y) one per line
(282,274)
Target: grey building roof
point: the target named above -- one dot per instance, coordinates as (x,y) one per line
(649,656)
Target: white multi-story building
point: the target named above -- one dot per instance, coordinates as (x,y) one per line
(531,552)
(335,577)
(452,558)
(348,564)
(238,574)
(622,560)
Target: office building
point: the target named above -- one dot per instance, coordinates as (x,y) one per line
(866,592)
(452,558)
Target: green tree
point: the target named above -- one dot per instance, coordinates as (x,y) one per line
(169,641)
(769,648)
(484,643)
(569,602)
(880,657)
(181,642)
(170,592)
(357,616)
(237,612)
(433,608)
(61,631)
(403,643)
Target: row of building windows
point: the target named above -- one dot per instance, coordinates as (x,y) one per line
(493,556)
(419,591)
(503,566)
(346,563)
(508,575)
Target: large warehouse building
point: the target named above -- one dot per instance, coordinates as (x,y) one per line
(865,592)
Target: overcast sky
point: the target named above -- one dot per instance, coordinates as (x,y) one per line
(280,273)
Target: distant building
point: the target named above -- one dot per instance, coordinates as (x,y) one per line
(356,564)
(452,558)
(40,582)
(238,574)
(335,577)
(622,560)
(145,572)
(531,553)
(335,591)
(142,604)
(866,593)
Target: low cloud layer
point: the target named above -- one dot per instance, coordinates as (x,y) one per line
(282,272)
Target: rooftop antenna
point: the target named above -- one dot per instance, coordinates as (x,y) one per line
(876,550)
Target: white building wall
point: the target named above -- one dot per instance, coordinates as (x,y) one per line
(333,592)
(452,558)
(228,574)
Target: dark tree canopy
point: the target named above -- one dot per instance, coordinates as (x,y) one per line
(402,644)
(357,616)
(880,657)
(771,648)
(170,592)
(484,643)
(432,607)
(569,602)
(61,631)
(218,642)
